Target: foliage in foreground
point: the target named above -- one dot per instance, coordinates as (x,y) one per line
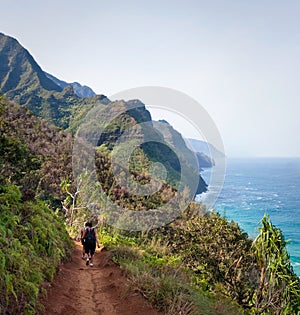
(207,265)
(33,240)
(162,277)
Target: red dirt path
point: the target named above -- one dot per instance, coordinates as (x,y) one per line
(99,290)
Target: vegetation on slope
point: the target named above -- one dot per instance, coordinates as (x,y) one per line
(33,238)
(33,242)
(197,263)
(162,276)
(36,155)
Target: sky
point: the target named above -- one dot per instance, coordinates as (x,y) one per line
(238,59)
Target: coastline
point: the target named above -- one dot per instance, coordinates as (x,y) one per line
(254,186)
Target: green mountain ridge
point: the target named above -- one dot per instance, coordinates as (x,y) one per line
(20,74)
(205,160)
(25,83)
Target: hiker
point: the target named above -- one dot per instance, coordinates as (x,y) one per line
(90,240)
(82,231)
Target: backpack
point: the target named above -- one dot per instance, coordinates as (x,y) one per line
(90,237)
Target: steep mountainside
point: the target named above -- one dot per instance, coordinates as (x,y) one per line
(24,82)
(20,74)
(174,138)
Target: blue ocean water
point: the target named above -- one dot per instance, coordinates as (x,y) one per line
(256,186)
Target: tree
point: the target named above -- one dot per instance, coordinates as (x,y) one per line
(279,288)
(70,204)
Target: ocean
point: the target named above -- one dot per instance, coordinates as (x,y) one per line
(257,186)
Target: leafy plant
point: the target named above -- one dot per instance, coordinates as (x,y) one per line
(279,288)
(33,242)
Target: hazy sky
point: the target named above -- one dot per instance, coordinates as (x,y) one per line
(238,59)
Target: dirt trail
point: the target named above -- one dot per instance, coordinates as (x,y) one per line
(99,290)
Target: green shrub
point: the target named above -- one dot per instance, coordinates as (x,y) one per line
(33,242)
(161,277)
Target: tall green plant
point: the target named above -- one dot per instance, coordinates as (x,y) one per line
(33,241)
(279,288)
